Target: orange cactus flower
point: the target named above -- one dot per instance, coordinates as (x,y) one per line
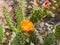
(26,25)
(45,4)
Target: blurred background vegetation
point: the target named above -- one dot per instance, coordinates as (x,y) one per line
(54,8)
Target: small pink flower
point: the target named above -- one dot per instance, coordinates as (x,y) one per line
(46,4)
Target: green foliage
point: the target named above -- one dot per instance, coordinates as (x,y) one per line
(33,38)
(38,15)
(8,20)
(19,11)
(35,16)
(49,39)
(19,15)
(57,30)
(22,7)
(19,39)
(45,12)
(1,33)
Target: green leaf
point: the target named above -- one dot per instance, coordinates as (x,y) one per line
(1,33)
(9,21)
(49,39)
(19,39)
